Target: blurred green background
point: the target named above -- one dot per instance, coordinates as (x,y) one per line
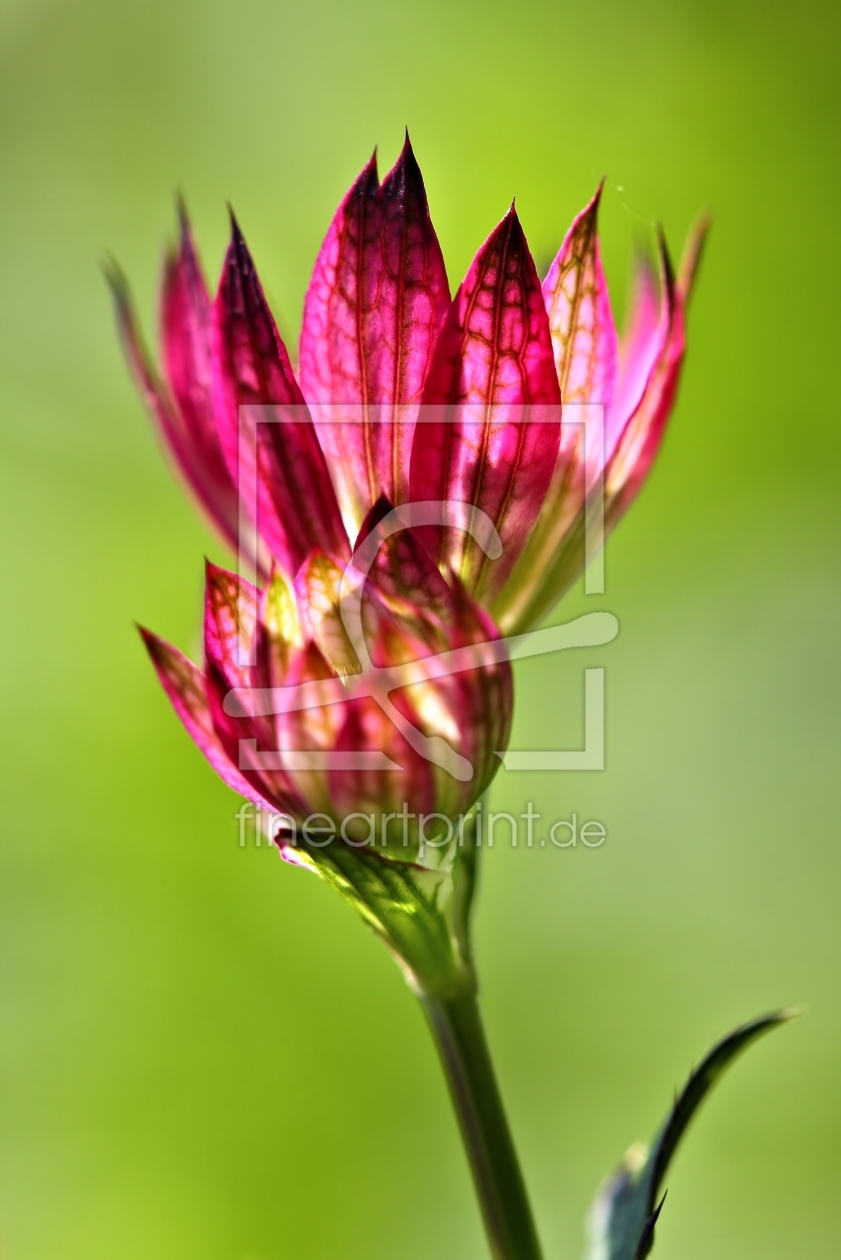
(202,1052)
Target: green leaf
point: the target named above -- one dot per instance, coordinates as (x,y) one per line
(626,1211)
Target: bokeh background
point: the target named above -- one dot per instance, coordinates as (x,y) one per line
(202,1052)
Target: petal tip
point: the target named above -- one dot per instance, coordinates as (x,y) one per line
(510,222)
(117,282)
(237,238)
(693,252)
(182,215)
(667,270)
(213,572)
(153,643)
(589,215)
(405,177)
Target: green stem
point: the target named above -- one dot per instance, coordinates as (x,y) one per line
(457,1028)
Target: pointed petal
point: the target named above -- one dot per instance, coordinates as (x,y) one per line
(693,252)
(186,356)
(581,321)
(403,569)
(412,294)
(317,586)
(230,618)
(496,345)
(586,347)
(334,360)
(232,608)
(250,743)
(185,685)
(486,442)
(211,484)
(296,506)
(279,627)
(640,347)
(639,442)
(554,556)
(185,335)
(375,304)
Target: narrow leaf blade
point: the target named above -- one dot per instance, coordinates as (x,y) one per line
(699,1084)
(626,1210)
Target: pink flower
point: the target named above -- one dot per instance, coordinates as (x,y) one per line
(404,393)
(416,479)
(357,735)
(365,724)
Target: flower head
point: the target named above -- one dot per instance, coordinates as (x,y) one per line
(413,479)
(325,701)
(405,393)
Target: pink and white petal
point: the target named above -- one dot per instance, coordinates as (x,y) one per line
(376,301)
(495,347)
(412,296)
(555,555)
(640,441)
(279,631)
(580,318)
(215,494)
(640,348)
(317,586)
(586,347)
(184,683)
(251,744)
(289,491)
(231,606)
(185,318)
(492,435)
(333,363)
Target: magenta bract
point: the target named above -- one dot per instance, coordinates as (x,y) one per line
(403,396)
(381,340)
(286,713)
